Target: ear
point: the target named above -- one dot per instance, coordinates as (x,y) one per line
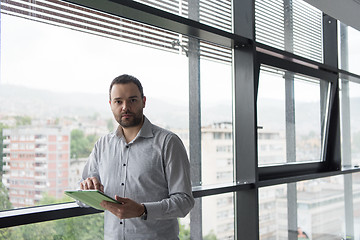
(144,101)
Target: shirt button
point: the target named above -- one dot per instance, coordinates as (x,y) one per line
(122,184)
(127,146)
(120,222)
(124,164)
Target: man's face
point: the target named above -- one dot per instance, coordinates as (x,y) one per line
(127,105)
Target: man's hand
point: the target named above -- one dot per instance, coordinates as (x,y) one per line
(127,208)
(91,183)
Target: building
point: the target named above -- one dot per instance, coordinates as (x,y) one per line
(76,169)
(36,162)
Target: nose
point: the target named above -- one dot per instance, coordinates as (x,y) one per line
(125,106)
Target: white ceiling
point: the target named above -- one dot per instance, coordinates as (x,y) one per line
(347,11)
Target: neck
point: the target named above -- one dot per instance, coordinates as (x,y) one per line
(131,132)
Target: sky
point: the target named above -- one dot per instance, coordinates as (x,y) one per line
(44,56)
(41,56)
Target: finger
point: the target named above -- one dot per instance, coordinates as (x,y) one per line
(89,184)
(84,185)
(96,184)
(92,183)
(120,199)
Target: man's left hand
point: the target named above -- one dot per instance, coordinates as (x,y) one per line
(127,208)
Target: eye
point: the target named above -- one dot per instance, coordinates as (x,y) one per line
(133,100)
(118,101)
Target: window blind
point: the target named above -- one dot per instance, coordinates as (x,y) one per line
(303,20)
(79,18)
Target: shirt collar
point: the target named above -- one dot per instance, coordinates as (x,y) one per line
(145,131)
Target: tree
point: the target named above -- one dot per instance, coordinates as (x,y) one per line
(76,228)
(4,205)
(81,145)
(210,236)
(23,120)
(184,233)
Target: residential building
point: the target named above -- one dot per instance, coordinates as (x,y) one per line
(36,162)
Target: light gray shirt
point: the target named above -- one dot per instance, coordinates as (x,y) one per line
(153,169)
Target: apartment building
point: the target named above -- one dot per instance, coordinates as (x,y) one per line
(36,162)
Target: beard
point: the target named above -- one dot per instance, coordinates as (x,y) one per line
(135,119)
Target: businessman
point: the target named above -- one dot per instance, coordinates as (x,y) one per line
(144,167)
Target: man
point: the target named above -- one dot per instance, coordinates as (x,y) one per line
(144,166)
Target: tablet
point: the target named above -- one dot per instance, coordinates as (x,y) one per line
(93,198)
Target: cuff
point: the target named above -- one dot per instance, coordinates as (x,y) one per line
(154,210)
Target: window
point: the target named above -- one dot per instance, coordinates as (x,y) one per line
(292,115)
(73,105)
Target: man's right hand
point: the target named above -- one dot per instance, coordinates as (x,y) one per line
(91,183)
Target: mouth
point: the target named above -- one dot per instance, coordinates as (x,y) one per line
(126,115)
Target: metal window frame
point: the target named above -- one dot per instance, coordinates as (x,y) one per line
(249,177)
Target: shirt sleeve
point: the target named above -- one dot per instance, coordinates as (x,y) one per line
(177,171)
(91,168)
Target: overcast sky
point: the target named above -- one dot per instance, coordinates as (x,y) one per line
(43,56)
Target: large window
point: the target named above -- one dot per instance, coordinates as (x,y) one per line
(54,90)
(268,119)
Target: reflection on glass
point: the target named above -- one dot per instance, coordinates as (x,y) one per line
(350,117)
(291,112)
(54,95)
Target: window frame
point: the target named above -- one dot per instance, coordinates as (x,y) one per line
(243,44)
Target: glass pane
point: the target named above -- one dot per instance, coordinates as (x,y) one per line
(273,213)
(54,94)
(356,204)
(291,115)
(350,117)
(218,217)
(349,49)
(320,211)
(291,25)
(216,123)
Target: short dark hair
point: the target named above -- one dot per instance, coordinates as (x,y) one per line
(124,79)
